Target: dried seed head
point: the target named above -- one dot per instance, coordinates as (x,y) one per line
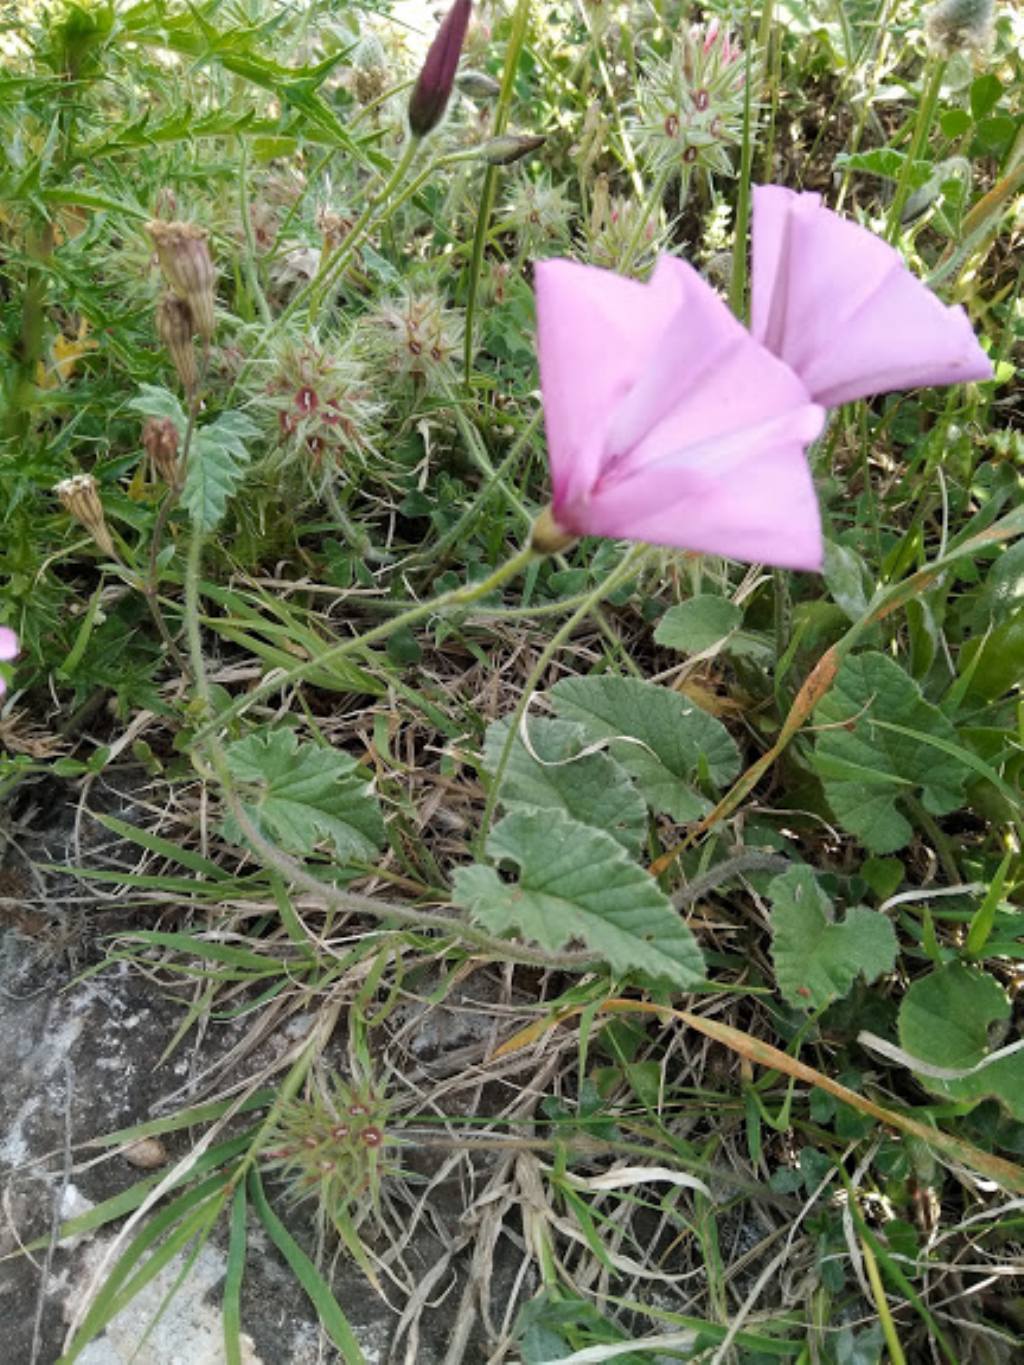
(960,26)
(80,498)
(175,326)
(184,255)
(160,439)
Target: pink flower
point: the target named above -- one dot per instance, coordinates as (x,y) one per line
(8,651)
(839,306)
(666,421)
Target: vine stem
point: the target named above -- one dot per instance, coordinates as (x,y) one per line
(626,568)
(299,875)
(463,596)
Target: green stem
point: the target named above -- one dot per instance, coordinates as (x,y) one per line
(463,596)
(651,204)
(483,218)
(626,568)
(922,127)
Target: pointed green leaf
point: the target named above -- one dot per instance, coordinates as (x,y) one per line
(817,960)
(594,789)
(301,794)
(576,883)
(660,738)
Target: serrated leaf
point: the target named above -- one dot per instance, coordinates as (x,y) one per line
(816,959)
(577,883)
(594,789)
(153,401)
(865,767)
(660,738)
(300,795)
(698,624)
(944,1020)
(216,466)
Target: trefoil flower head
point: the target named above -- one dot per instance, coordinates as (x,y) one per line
(691,106)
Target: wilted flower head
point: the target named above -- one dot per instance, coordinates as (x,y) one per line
(433,88)
(666,421)
(840,307)
(80,498)
(160,442)
(416,337)
(960,26)
(184,255)
(691,105)
(8,651)
(175,326)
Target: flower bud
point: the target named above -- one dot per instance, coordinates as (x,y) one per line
(184,257)
(160,440)
(80,498)
(510,147)
(174,326)
(433,86)
(548,537)
(477,85)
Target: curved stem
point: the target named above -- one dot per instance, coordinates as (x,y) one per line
(922,127)
(625,568)
(463,596)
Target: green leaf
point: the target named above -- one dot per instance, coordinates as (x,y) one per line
(817,960)
(944,1020)
(985,93)
(698,624)
(153,401)
(865,767)
(847,578)
(316,1287)
(660,738)
(594,789)
(579,883)
(300,794)
(216,466)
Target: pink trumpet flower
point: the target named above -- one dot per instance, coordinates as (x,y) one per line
(840,307)
(8,650)
(668,423)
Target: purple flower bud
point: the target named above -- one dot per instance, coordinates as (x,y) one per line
(433,86)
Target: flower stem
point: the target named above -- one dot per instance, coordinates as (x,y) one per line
(922,127)
(463,596)
(626,568)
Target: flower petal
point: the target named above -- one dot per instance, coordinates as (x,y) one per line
(747,495)
(596,332)
(706,450)
(8,644)
(841,308)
